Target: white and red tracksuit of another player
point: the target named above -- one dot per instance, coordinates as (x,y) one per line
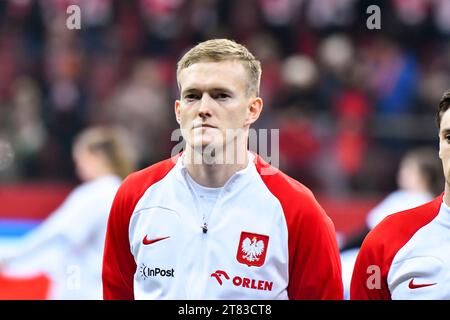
(266,238)
(406,256)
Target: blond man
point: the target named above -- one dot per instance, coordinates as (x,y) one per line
(217,221)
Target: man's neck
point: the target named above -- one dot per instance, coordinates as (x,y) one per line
(447,194)
(214,174)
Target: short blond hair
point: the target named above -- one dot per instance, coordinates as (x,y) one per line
(217,50)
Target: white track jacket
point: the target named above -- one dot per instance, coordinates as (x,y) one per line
(266,238)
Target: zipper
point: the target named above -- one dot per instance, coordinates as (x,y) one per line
(193,288)
(196,289)
(196,284)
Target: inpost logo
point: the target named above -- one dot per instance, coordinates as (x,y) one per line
(146,272)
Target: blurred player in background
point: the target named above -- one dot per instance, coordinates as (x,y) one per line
(218,222)
(419,180)
(407,255)
(68,245)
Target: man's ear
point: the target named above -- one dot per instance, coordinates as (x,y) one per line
(254,110)
(177,111)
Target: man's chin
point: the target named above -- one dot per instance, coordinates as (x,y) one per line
(202,145)
(207,148)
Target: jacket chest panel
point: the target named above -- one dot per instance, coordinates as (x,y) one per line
(240,253)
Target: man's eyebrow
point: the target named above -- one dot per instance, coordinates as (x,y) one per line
(214,89)
(445,131)
(220,89)
(190,90)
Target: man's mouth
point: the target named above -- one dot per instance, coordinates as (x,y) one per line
(204,125)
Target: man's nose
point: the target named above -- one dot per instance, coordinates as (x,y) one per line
(204,110)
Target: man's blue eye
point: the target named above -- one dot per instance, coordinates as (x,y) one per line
(191,97)
(222,96)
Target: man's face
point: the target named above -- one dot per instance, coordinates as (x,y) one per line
(214,100)
(444,144)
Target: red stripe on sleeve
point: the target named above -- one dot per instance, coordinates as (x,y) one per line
(314,261)
(118,263)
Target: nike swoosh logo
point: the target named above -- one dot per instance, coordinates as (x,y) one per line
(413,285)
(148,241)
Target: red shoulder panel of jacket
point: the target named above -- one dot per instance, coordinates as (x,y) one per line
(314,261)
(382,244)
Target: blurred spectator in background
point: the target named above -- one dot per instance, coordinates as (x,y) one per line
(299,143)
(140,107)
(419,180)
(68,245)
(22,126)
(394,75)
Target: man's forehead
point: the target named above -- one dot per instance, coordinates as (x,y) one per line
(209,75)
(208,67)
(445,120)
(210,62)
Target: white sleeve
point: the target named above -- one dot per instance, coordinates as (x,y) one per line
(56,226)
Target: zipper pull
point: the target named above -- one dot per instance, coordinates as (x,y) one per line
(204,227)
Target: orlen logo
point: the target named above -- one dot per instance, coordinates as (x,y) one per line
(155,272)
(243,281)
(218,275)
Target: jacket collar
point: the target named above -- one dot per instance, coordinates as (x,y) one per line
(236,181)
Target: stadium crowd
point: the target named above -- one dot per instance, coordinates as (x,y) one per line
(348,101)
